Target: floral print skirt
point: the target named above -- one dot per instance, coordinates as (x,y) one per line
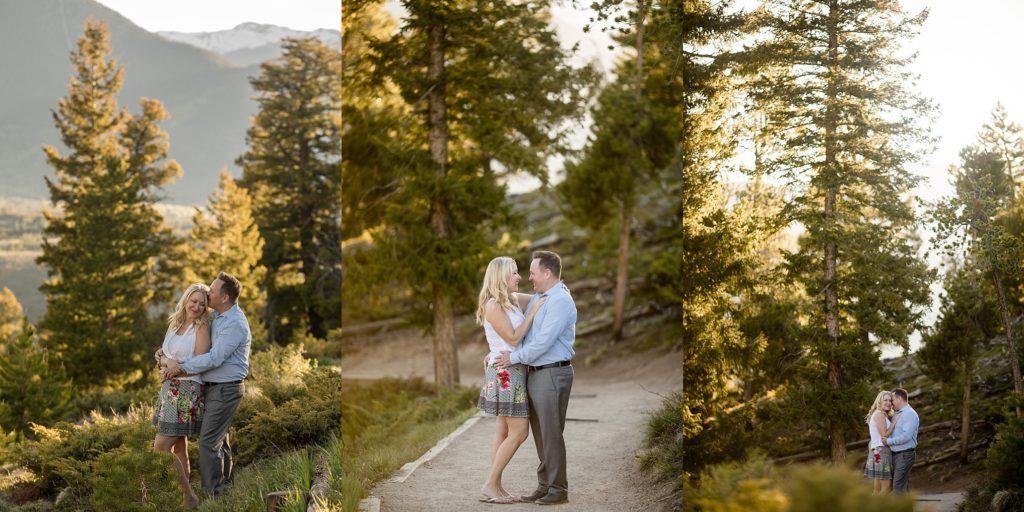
(504,392)
(179,408)
(879,463)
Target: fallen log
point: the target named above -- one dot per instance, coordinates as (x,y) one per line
(380,325)
(320,485)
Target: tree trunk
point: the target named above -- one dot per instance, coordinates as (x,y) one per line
(622,274)
(446,367)
(838,452)
(1008,326)
(965,425)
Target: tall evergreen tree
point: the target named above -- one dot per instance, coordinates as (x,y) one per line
(967,221)
(635,135)
(11,316)
(851,130)
(226,238)
(710,259)
(490,93)
(33,385)
(291,171)
(108,255)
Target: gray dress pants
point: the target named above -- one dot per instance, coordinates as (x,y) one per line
(901,464)
(215,464)
(549,399)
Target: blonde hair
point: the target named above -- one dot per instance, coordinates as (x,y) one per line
(177,318)
(877,405)
(496,286)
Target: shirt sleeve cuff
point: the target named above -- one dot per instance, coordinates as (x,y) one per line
(513,357)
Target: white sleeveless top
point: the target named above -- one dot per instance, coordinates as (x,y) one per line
(496,343)
(181,348)
(876,436)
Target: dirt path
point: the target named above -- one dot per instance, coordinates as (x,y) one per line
(940,502)
(608,412)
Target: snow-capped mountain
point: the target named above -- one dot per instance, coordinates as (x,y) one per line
(249,43)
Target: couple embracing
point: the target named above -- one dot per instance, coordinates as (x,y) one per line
(203,360)
(528,374)
(893,426)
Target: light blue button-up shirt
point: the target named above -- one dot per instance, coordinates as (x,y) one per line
(228,358)
(553,333)
(905,435)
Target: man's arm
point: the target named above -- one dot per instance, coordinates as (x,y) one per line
(557,314)
(229,337)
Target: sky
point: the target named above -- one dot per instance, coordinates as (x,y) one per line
(213,15)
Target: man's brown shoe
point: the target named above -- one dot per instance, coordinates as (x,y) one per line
(552,499)
(534,497)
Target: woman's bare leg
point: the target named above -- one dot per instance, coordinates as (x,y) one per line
(517,430)
(168,444)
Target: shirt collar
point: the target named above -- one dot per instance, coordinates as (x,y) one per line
(557,287)
(216,315)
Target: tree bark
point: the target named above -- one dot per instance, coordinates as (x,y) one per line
(622,274)
(965,425)
(838,441)
(1004,312)
(446,367)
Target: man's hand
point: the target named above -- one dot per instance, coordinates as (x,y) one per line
(158,355)
(504,361)
(171,370)
(885,441)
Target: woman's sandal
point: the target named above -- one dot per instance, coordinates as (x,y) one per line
(501,500)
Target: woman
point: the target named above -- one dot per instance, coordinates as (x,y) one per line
(504,392)
(179,409)
(880,425)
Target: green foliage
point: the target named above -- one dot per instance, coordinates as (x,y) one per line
(310,417)
(291,172)
(1002,463)
(226,238)
(279,371)
(11,317)
(66,455)
(663,441)
(755,485)
(33,385)
(130,479)
(103,281)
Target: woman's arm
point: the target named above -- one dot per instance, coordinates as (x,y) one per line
(879,418)
(892,425)
(503,326)
(202,340)
(523,299)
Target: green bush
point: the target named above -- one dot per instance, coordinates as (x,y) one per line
(1003,487)
(280,371)
(663,443)
(311,416)
(128,479)
(756,486)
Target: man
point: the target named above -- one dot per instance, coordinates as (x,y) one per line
(547,352)
(223,368)
(903,441)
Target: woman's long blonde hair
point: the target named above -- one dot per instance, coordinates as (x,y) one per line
(496,286)
(877,406)
(176,318)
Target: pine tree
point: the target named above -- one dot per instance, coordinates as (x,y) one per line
(108,255)
(11,316)
(33,385)
(1005,138)
(489,92)
(849,123)
(635,135)
(968,320)
(291,172)
(226,238)
(967,220)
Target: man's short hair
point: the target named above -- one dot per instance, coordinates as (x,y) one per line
(902,393)
(230,285)
(550,261)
